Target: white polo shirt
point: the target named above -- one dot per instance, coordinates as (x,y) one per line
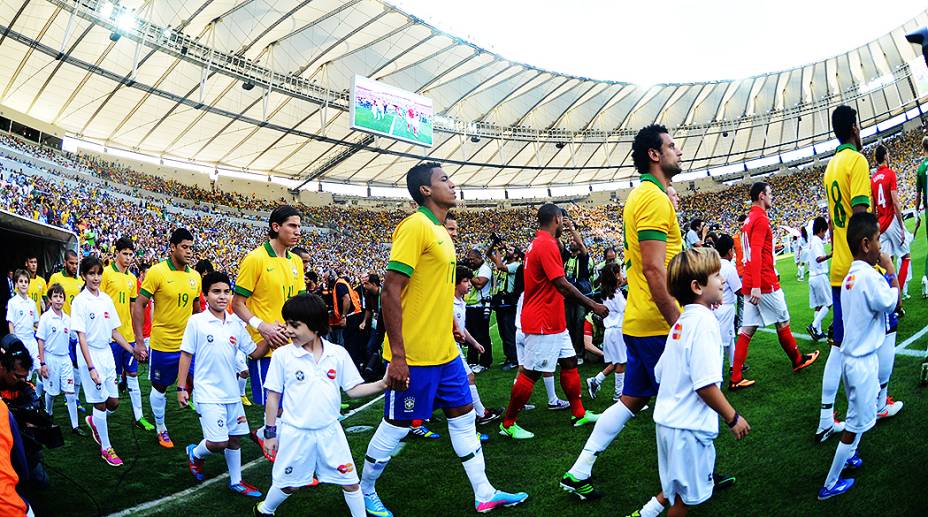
(21,312)
(616,306)
(312,391)
(816,250)
(214,344)
(96,317)
(55,331)
(460,312)
(732,282)
(692,360)
(865,300)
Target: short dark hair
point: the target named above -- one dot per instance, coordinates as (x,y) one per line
(55,289)
(12,350)
(143,266)
(203,267)
(462,273)
(312,276)
(180,235)
(695,223)
(310,309)
(420,175)
(299,250)
(89,263)
(280,216)
(215,277)
(862,225)
(69,254)
(30,255)
(648,137)
(880,153)
(757,189)
(843,119)
(123,243)
(450,216)
(742,217)
(547,213)
(723,244)
(607,250)
(819,224)
(21,272)
(374,278)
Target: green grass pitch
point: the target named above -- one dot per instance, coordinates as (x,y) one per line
(364,117)
(779,468)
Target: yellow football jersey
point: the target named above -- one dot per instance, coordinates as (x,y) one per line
(847,184)
(72,286)
(123,289)
(648,215)
(37,288)
(423,251)
(173,292)
(267,280)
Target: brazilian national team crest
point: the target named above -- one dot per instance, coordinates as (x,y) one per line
(192,282)
(677,330)
(409,403)
(294,271)
(300,376)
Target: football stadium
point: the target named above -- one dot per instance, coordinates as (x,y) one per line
(312,257)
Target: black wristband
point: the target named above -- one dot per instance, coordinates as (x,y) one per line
(734,421)
(180,388)
(41,364)
(270,431)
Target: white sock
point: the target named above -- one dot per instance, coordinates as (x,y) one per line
(886,355)
(77,381)
(50,403)
(549,388)
(201,451)
(99,421)
(39,386)
(241,385)
(608,426)
(466,444)
(478,404)
(856,443)
(843,452)
(385,439)
(819,317)
(275,497)
(234,464)
(158,403)
(652,508)
(600,377)
(135,395)
(355,502)
(619,383)
(70,400)
(831,379)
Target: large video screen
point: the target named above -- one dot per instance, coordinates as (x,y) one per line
(388,111)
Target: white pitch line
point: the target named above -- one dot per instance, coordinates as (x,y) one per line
(144,507)
(900,348)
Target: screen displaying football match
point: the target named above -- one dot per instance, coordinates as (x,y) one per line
(391,112)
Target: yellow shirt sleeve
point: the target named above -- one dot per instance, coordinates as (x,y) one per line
(653,216)
(860,183)
(248,272)
(408,243)
(151,283)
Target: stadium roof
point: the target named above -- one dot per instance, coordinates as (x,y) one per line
(171,86)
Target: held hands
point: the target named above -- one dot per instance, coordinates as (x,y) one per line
(741,428)
(270,447)
(458,334)
(755,295)
(275,334)
(397,376)
(182,398)
(95,377)
(43,371)
(600,310)
(140,352)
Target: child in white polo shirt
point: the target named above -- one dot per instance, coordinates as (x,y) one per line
(689,401)
(310,373)
(94,318)
(54,335)
(614,353)
(21,317)
(212,341)
(865,299)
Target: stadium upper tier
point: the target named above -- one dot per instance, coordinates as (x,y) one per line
(167,80)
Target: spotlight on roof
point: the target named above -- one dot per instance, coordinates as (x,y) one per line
(475,139)
(724,134)
(920,37)
(559,145)
(247,86)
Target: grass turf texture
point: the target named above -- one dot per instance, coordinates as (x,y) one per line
(779,468)
(364,117)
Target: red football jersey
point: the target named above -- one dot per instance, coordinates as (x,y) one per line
(882,182)
(543,305)
(757,238)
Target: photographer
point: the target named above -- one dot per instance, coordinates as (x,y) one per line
(504,300)
(577,272)
(696,234)
(24,428)
(609,257)
(478,309)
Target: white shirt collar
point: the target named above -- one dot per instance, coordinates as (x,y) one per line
(210,318)
(326,350)
(695,307)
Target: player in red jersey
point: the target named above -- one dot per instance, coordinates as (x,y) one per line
(767,305)
(544,323)
(894,239)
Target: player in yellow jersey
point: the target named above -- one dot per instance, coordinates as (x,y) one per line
(847,188)
(175,289)
(68,279)
(267,277)
(122,286)
(37,285)
(425,369)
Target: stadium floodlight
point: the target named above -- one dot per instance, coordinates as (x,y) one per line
(107,9)
(475,139)
(247,86)
(920,37)
(114,36)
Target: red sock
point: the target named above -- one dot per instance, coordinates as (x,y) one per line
(570,382)
(521,392)
(741,355)
(417,423)
(788,343)
(904,272)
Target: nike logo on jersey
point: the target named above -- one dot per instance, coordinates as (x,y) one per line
(270,269)
(439,242)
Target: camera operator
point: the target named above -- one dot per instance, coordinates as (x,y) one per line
(577,271)
(24,428)
(478,309)
(505,299)
(609,257)
(696,234)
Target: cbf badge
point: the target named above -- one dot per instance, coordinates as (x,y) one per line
(409,403)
